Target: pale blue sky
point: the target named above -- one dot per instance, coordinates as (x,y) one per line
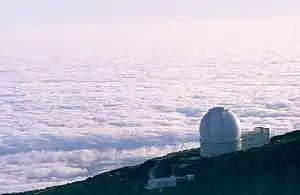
(35,12)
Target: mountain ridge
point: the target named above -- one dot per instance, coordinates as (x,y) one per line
(272,169)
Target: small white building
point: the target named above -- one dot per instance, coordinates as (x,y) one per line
(160,183)
(167,182)
(256,138)
(221,132)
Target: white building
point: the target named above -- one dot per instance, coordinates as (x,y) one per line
(220,132)
(167,182)
(161,183)
(257,138)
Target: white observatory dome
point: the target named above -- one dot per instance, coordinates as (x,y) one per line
(219,124)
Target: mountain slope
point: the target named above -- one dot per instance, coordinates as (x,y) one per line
(273,169)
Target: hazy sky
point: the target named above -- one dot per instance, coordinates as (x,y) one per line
(17,12)
(37,23)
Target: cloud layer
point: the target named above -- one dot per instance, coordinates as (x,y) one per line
(66,118)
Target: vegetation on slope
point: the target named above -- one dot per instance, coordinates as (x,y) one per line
(273,169)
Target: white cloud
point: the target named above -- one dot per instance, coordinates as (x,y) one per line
(69,115)
(45,168)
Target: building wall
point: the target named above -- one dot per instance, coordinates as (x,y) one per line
(215,148)
(167,184)
(162,183)
(257,138)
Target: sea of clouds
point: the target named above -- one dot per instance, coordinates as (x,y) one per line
(65,116)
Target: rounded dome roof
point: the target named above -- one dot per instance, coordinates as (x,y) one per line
(220,123)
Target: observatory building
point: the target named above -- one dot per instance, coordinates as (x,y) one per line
(221,132)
